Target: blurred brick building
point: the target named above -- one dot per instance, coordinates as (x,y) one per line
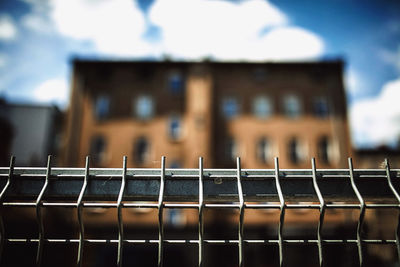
(184,110)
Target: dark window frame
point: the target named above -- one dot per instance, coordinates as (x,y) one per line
(261,154)
(230,107)
(257,102)
(102,106)
(97,150)
(288,110)
(141,150)
(321,107)
(144,107)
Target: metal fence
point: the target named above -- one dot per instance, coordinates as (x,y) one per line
(200,189)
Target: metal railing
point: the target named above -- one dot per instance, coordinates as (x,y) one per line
(241,189)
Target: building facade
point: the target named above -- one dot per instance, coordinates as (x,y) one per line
(183,110)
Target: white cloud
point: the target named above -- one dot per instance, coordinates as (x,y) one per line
(251,30)
(8,30)
(291,43)
(376,121)
(52,91)
(115,26)
(214,18)
(192,29)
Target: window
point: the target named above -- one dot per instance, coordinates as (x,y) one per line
(231,150)
(264,150)
(262,107)
(175,217)
(102,107)
(141,150)
(175,128)
(296,154)
(175,164)
(292,106)
(260,74)
(320,107)
(144,107)
(230,107)
(175,83)
(97,150)
(324,150)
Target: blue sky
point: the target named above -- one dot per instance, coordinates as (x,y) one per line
(38,39)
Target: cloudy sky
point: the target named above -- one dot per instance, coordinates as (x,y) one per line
(39,38)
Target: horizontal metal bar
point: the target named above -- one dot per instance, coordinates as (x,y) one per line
(207,241)
(145,190)
(181,174)
(182,185)
(196,206)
